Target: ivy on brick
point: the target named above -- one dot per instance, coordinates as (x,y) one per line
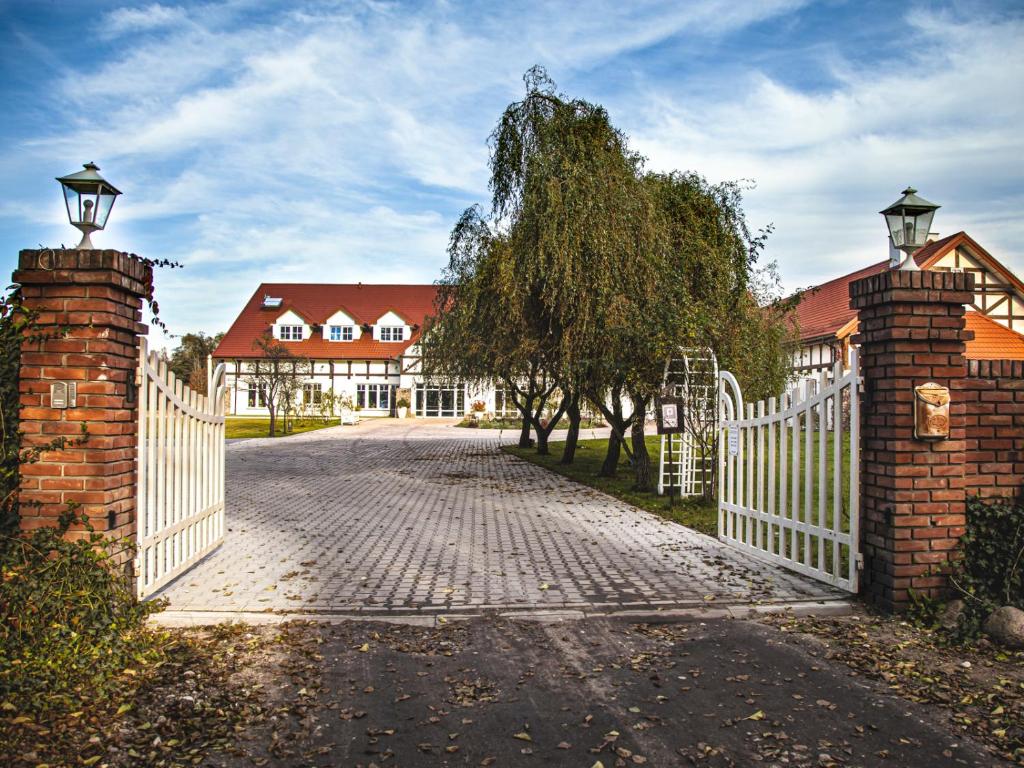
(990,572)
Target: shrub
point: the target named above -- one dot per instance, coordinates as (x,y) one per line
(990,572)
(402,402)
(69,620)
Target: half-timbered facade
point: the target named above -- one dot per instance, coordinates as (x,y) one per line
(996,317)
(361,341)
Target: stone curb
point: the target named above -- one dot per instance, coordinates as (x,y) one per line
(802,608)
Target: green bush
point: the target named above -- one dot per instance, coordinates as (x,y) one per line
(69,620)
(990,572)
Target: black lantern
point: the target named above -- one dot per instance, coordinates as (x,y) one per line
(909,220)
(89,198)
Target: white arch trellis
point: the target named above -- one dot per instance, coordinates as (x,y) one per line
(691,375)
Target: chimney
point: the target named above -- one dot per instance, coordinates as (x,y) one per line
(896,256)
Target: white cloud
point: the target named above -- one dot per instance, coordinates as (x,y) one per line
(339,141)
(825,162)
(124,20)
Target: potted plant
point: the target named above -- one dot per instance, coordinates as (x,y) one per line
(403,407)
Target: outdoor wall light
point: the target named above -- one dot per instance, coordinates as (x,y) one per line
(909,220)
(89,198)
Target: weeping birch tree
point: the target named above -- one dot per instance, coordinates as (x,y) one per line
(587,273)
(582,234)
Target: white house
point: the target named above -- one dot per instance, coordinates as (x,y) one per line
(361,341)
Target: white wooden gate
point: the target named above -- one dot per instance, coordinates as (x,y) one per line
(789,467)
(180,504)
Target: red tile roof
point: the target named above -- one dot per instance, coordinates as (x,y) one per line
(825,309)
(992,341)
(316,303)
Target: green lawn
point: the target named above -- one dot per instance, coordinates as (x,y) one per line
(517,424)
(257,427)
(694,513)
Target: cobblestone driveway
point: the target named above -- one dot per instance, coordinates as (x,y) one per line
(390,518)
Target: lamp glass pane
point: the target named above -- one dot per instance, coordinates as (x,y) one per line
(896,231)
(924,225)
(104,202)
(74,205)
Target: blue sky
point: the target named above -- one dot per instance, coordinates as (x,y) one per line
(338,141)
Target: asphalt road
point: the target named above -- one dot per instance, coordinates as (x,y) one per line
(601,691)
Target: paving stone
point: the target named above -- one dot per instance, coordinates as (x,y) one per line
(390,516)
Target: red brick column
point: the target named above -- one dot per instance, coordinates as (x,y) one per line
(912,491)
(90,302)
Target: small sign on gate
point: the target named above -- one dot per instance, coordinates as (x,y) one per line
(734,441)
(669,415)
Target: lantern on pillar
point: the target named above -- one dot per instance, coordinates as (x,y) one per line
(89,199)
(909,220)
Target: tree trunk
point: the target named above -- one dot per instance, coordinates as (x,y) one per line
(542,442)
(573,437)
(543,433)
(641,459)
(525,441)
(273,422)
(610,467)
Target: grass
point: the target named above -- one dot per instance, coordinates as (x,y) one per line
(694,513)
(258,427)
(517,424)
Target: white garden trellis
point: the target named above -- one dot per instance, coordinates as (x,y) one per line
(789,475)
(692,376)
(180,502)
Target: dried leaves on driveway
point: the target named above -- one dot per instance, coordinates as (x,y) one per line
(978,690)
(494,691)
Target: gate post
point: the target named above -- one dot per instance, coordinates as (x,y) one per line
(911,331)
(89,305)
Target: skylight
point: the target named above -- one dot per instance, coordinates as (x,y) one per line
(271,302)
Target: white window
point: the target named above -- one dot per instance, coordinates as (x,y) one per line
(392,333)
(376,396)
(341,333)
(258,396)
(312,393)
(291,333)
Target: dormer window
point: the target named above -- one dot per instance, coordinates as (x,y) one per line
(392,333)
(342,333)
(291,333)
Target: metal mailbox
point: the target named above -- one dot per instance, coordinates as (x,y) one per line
(931,411)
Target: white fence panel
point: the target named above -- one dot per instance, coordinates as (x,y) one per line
(789,469)
(180,503)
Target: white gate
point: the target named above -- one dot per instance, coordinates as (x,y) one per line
(180,504)
(789,489)
(692,376)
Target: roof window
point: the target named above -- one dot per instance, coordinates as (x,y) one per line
(271,302)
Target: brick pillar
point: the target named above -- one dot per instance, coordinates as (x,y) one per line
(91,302)
(912,491)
